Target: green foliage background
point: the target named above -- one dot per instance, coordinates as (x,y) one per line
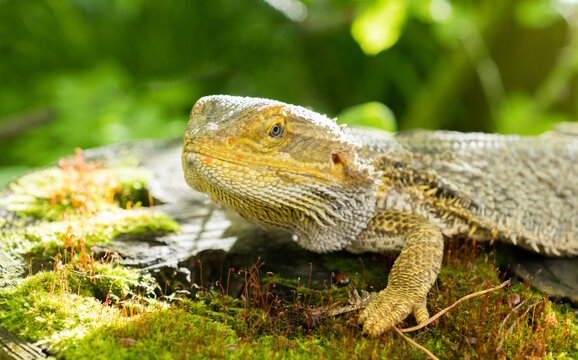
(84,73)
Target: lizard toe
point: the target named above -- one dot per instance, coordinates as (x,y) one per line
(420,312)
(384,312)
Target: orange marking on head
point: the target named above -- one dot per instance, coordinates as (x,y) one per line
(238,156)
(231,142)
(207,160)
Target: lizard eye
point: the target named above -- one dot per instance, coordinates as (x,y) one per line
(276,131)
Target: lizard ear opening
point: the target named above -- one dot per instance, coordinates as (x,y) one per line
(351,168)
(336,158)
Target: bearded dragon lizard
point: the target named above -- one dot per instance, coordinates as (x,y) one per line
(287,167)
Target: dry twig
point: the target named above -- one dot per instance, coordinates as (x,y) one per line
(408,339)
(516,322)
(514,310)
(439,314)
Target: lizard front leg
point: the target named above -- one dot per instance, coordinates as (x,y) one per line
(413,272)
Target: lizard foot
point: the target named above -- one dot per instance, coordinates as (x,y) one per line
(388,309)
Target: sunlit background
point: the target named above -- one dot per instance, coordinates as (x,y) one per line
(85,73)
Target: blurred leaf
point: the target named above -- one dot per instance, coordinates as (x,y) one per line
(434,11)
(9,173)
(536,13)
(379,26)
(372,114)
(518,115)
(94,108)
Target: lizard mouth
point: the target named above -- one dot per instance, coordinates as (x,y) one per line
(195,158)
(198,159)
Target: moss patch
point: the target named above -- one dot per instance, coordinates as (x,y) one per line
(76,205)
(77,232)
(77,187)
(61,312)
(57,307)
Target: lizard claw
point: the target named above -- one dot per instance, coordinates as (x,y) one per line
(388,309)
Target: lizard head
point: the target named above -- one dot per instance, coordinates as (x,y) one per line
(280,165)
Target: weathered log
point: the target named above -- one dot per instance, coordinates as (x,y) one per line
(14,348)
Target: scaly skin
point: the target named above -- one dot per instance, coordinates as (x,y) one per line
(284,166)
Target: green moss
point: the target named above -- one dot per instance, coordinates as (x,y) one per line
(132,181)
(51,193)
(79,204)
(53,307)
(106,281)
(37,315)
(79,327)
(187,332)
(163,334)
(48,238)
(364,271)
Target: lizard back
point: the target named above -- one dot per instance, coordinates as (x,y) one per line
(522,190)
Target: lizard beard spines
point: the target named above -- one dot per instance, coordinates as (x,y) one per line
(324,218)
(350,222)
